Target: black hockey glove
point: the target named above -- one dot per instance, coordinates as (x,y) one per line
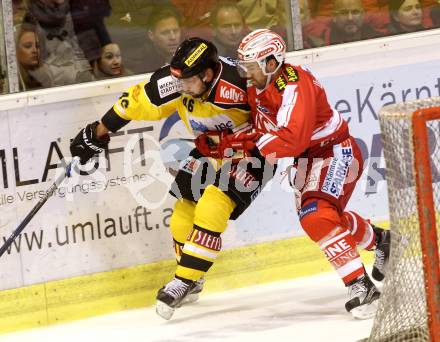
(86,144)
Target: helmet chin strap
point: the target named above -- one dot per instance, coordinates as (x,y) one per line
(268,75)
(209,85)
(263,65)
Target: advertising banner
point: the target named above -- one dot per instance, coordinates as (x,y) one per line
(359,98)
(117,214)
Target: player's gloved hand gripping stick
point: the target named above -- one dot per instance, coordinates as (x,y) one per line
(86,144)
(83,147)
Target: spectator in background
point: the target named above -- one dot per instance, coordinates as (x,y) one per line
(321,8)
(88,21)
(374,13)
(109,63)
(19,11)
(312,28)
(195,14)
(425,3)
(65,61)
(262,13)
(28,56)
(304,11)
(405,16)
(127,27)
(435,15)
(228,28)
(348,24)
(164,36)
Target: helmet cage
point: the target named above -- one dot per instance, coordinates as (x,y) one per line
(243,69)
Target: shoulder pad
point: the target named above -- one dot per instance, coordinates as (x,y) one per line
(162,87)
(306,68)
(230,90)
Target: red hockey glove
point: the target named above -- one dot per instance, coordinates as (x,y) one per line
(238,145)
(208,144)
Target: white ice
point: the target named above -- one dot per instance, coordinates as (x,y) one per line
(309,309)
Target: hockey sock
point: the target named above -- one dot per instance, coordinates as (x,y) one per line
(199,253)
(361,230)
(204,242)
(181,223)
(323,224)
(340,249)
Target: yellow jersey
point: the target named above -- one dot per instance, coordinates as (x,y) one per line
(225,105)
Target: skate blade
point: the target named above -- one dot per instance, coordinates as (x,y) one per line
(163,310)
(191,298)
(365,311)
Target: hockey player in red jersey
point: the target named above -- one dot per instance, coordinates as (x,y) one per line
(291,113)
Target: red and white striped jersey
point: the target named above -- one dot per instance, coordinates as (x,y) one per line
(294,114)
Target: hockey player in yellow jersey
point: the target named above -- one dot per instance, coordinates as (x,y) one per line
(209,96)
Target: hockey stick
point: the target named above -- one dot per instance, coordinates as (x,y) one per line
(40,203)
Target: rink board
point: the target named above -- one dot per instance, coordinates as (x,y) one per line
(100,224)
(100,293)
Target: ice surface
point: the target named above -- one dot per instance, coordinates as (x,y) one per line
(309,309)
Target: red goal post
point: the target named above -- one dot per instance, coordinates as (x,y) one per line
(427,216)
(409,308)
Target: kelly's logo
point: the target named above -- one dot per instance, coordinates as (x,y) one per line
(228,93)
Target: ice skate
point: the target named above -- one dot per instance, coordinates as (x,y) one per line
(171,296)
(363,298)
(194,293)
(382,253)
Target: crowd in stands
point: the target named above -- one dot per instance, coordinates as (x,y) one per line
(61,42)
(342,21)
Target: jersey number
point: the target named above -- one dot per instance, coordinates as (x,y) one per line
(188,104)
(124,102)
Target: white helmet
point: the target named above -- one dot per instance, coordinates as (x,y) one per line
(257,46)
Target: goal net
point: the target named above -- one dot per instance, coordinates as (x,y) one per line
(409,308)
